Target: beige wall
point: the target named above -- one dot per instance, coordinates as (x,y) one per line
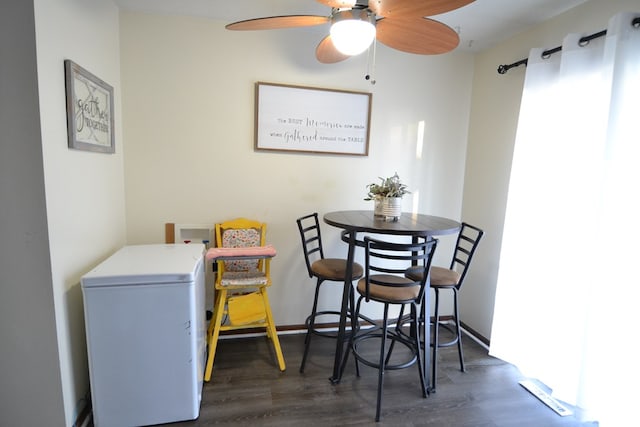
(188,108)
(84,190)
(492,129)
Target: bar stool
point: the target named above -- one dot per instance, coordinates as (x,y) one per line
(324,270)
(385,282)
(450,279)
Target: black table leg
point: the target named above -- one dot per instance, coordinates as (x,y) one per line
(426,340)
(425,328)
(337,368)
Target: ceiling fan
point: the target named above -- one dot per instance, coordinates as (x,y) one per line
(398,24)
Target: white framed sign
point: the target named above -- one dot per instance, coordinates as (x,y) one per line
(89,110)
(307,119)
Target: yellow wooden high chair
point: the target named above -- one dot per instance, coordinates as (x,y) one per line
(243,275)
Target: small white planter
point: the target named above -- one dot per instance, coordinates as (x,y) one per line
(391,208)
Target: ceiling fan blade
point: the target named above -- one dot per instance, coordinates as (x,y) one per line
(417,35)
(327,53)
(278,22)
(338,3)
(413,8)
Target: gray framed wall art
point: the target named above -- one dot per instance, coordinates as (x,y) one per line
(90,122)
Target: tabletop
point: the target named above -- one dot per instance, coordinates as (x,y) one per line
(409,224)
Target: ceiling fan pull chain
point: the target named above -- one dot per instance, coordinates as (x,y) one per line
(371,63)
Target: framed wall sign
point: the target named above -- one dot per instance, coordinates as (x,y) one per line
(298,118)
(89,110)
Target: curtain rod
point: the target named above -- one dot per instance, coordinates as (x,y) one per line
(502,69)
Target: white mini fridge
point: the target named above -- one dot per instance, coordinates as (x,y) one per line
(145,323)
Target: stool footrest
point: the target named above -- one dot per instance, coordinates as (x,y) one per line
(392,337)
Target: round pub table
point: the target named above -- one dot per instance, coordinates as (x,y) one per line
(363,221)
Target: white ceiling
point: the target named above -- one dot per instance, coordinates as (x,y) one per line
(481,25)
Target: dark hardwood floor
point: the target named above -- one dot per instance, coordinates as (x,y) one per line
(248,389)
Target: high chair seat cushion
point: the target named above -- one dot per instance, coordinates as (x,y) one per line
(251,277)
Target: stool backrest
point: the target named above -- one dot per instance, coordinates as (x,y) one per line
(466,245)
(309,229)
(387,262)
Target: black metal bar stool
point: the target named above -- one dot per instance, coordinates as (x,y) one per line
(450,279)
(324,270)
(385,282)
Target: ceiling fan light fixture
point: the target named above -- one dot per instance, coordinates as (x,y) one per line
(353,31)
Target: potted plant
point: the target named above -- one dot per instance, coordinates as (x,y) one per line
(387,196)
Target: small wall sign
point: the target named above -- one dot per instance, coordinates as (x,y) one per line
(89,110)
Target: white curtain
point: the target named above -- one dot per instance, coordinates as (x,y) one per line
(567,305)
